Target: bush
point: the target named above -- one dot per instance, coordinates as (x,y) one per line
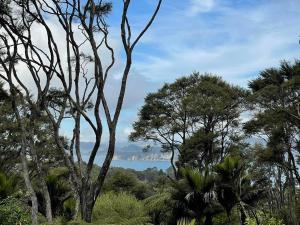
(222,219)
(119,209)
(12,211)
(8,185)
(264,220)
(62,221)
(120,180)
(69,208)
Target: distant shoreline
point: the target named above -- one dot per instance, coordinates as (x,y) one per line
(149,160)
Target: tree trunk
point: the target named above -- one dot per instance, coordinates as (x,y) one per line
(47,199)
(44,188)
(243,217)
(86,206)
(173,164)
(243,214)
(34,202)
(77,206)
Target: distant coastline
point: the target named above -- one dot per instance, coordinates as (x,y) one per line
(130,152)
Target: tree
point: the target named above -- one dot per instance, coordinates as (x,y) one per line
(8,133)
(196,116)
(236,188)
(19,131)
(164,117)
(195,195)
(275,105)
(78,85)
(159,207)
(120,180)
(59,189)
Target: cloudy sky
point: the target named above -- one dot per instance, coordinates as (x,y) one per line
(234,39)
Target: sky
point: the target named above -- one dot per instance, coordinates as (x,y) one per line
(234,39)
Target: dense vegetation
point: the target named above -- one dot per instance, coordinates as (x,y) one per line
(235,151)
(235,158)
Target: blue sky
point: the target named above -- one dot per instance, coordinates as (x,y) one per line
(234,39)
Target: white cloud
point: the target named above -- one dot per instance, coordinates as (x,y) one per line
(127,131)
(201,6)
(236,43)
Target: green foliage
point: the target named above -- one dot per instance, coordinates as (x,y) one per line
(62,221)
(59,189)
(274,99)
(110,209)
(194,196)
(157,202)
(203,101)
(185,221)
(8,185)
(159,207)
(121,180)
(119,209)
(234,185)
(222,219)
(229,173)
(264,220)
(69,208)
(12,211)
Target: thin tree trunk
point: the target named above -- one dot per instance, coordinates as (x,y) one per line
(47,199)
(33,197)
(77,205)
(172,159)
(243,214)
(44,188)
(28,184)
(173,164)
(40,174)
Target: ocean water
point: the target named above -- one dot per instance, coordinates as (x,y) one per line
(141,165)
(138,165)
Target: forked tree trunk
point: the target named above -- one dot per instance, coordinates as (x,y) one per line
(86,206)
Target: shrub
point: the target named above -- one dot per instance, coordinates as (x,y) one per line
(12,211)
(119,209)
(8,185)
(264,220)
(69,208)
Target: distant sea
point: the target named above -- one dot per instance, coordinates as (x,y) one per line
(138,165)
(141,165)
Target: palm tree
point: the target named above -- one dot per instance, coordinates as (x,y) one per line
(196,196)
(235,187)
(59,189)
(185,221)
(159,207)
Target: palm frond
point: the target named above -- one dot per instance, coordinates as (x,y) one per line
(186,221)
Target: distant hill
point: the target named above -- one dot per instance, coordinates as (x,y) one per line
(128,151)
(133,151)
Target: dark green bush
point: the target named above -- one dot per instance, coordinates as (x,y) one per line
(13,211)
(69,208)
